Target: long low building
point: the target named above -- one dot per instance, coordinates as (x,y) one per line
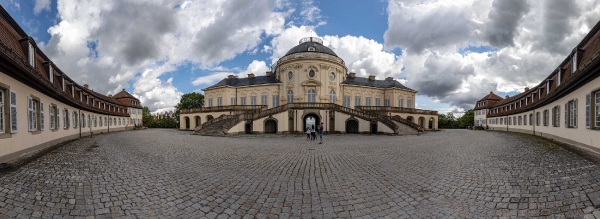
(41,106)
(308,86)
(565,106)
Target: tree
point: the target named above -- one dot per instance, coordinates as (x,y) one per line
(147,117)
(189,101)
(467,119)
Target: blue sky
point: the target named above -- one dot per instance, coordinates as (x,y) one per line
(452,52)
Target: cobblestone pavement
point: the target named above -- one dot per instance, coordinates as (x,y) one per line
(171,174)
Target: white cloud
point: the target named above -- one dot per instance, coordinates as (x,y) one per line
(256,67)
(41,5)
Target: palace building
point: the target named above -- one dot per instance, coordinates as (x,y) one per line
(308,86)
(565,106)
(41,106)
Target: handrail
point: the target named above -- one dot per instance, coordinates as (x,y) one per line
(405,121)
(397,109)
(225,108)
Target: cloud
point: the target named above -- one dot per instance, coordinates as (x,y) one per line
(41,5)
(503,21)
(256,67)
(113,44)
(310,13)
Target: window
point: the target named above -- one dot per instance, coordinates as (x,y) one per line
(82,120)
(525,120)
(275,101)
(409,104)
(95,123)
(115,121)
(74,120)
(400,103)
(556,114)
(509,121)
(368,101)
(52,116)
(501,121)
(356,101)
(331,96)
(290,96)
(597,103)
(537,118)
(520,120)
(243,100)
(32,56)
(32,114)
(386,102)
(210,102)
(253,100)
(588,106)
(41,116)
(65,118)
(572,113)
(263,100)
(531,119)
(105,121)
(574,62)
(119,121)
(232,101)
(546,117)
(219,101)
(311,95)
(347,101)
(377,101)
(514,120)
(63,83)
(2,112)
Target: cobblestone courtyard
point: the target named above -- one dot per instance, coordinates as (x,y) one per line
(171,174)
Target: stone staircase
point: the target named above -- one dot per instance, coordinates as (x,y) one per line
(218,126)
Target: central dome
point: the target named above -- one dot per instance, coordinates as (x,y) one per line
(311,44)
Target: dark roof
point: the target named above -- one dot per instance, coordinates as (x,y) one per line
(238,82)
(491,96)
(303,47)
(124,94)
(375,83)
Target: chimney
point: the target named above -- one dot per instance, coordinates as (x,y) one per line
(110,95)
(526,89)
(86,86)
(230,76)
(251,75)
(371,77)
(389,78)
(269,74)
(352,74)
(506,96)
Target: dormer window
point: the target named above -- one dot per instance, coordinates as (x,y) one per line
(574,62)
(558,77)
(310,48)
(31,55)
(73,90)
(63,84)
(51,74)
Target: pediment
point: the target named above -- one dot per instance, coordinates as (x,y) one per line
(311,83)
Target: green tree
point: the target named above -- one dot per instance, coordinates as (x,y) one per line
(147,117)
(189,101)
(467,119)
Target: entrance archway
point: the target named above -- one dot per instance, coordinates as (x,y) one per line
(331,125)
(248,128)
(431,120)
(197,120)
(270,126)
(209,117)
(422,122)
(187,122)
(410,119)
(373,128)
(352,126)
(310,120)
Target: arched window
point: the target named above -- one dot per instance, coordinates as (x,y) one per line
(83,120)
(332,97)
(311,95)
(290,97)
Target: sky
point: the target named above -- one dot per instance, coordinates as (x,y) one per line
(453,52)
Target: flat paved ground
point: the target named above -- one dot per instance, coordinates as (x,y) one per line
(171,174)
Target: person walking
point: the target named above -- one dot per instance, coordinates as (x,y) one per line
(313,133)
(307,133)
(320,131)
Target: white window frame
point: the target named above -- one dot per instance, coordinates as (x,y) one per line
(74,119)
(332,96)
(63,83)
(52,117)
(219,101)
(253,100)
(377,101)
(574,62)
(409,104)
(597,104)
(290,96)
(367,101)
(2,129)
(386,102)
(275,101)
(65,118)
(401,103)
(357,100)
(347,101)
(242,100)
(264,100)
(232,101)
(31,114)
(31,55)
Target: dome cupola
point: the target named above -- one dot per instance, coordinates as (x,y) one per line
(311,44)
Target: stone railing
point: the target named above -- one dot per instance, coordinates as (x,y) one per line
(307,55)
(405,121)
(397,110)
(225,108)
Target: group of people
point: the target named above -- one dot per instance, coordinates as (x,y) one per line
(311,133)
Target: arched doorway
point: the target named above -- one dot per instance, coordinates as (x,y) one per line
(431,120)
(352,126)
(248,128)
(374,128)
(209,117)
(410,119)
(422,122)
(331,125)
(187,122)
(197,120)
(310,120)
(397,117)
(270,126)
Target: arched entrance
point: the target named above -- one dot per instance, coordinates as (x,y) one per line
(310,120)
(431,120)
(374,128)
(422,122)
(397,117)
(209,117)
(197,120)
(187,122)
(331,125)
(248,128)
(410,119)
(270,126)
(351,126)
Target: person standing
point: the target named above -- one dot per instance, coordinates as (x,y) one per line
(313,133)
(307,133)
(320,131)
